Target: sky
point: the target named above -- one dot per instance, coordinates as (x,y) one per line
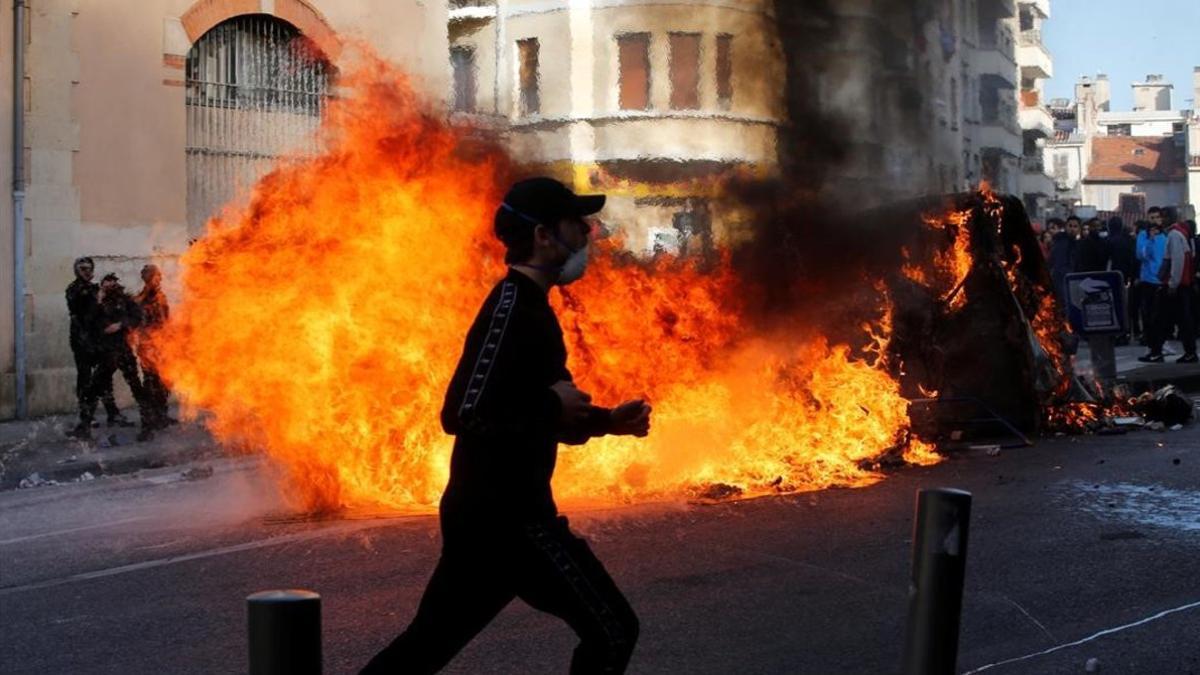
(1127,39)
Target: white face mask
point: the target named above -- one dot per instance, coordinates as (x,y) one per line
(574,267)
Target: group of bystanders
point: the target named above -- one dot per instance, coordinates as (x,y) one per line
(1156,256)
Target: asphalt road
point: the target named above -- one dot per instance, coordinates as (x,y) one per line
(1068,539)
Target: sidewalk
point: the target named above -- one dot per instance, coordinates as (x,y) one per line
(1146,376)
(41,447)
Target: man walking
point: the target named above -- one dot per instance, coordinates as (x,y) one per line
(1175,293)
(82,303)
(152,304)
(510,401)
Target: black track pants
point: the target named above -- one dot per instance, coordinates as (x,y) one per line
(543,564)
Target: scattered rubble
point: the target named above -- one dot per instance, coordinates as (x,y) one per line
(35,480)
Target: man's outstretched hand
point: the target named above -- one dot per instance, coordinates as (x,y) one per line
(631,418)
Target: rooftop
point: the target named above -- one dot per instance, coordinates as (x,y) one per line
(1136,158)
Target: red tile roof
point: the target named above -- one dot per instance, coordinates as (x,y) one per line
(1127,159)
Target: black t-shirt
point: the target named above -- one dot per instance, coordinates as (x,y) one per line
(503,412)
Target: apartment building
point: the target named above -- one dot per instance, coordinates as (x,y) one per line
(1037,122)
(651,103)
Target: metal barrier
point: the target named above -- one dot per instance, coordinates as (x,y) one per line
(285,632)
(935,593)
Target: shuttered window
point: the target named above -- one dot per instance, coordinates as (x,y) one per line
(633,66)
(685,71)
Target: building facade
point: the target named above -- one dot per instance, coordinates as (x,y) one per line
(1123,162)
(141,117)
(651,104)
(1037,122)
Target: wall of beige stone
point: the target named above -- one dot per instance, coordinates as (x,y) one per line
(106,132)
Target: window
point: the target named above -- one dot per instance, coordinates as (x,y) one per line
(685,71)
(1119,130)
(1026,19)
(255,90)
(633,65)
(530,95)
(462,59)
(1062,168)
(725,71)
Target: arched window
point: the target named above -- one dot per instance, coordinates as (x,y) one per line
(255,92)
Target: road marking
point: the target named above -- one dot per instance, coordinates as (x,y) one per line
(55,533)
(211,553)
(1014,603)
(1107,631)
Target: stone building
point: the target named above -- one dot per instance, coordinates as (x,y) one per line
(141,117)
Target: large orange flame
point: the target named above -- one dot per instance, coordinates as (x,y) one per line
(321,321)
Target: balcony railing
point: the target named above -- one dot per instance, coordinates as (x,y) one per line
(1002,113)
(1031,38)
(1033,164)
(1000,39)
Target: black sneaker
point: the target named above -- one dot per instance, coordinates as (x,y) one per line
(1151,358)
(119,421)
(1187,358)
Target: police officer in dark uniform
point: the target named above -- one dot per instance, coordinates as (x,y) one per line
(152,303)
(115,316)
(509,404)
(82,304)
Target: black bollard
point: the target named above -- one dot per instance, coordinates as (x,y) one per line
(935,591)
(285,632)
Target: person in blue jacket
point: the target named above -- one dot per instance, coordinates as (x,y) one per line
(1151,247)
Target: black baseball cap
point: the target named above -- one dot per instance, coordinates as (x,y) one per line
(541,201)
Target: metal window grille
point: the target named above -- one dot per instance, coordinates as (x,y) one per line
(256,89)
(462,60)
(528,51)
